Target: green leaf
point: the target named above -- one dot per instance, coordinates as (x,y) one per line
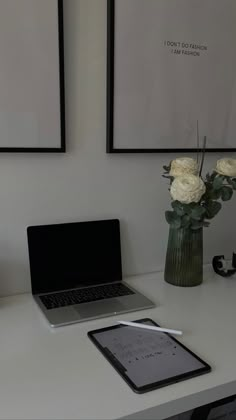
(178,208)
(232,181)
(226,193)
(214,194)
(206,224)
(212,208)
(193,205)
(218,182)
(173,219)
(167,167)
(198,212)
(211,177)
(168,177)
(187,208)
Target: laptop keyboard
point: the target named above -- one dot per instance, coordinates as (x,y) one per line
(90,294)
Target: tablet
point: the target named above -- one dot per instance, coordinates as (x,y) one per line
(146,359)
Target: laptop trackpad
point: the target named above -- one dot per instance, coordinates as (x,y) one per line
(98,308)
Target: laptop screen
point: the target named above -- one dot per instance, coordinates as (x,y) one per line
(70,255)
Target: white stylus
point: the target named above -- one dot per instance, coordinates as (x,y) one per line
(150,327)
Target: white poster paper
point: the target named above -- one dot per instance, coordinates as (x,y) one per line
(175,63)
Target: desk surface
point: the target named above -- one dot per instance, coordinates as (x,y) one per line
(59,374)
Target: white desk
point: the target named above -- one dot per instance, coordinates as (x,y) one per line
(59,374)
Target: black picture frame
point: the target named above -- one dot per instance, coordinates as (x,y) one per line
(111,147)
(62,146)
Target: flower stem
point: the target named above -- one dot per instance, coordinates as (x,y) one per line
(203,156)
(197,142)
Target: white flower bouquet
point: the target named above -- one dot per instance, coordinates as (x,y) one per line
(196,200)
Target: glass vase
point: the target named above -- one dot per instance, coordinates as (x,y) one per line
(184,257)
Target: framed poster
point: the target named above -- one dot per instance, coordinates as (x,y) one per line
(169,65)
(32,114)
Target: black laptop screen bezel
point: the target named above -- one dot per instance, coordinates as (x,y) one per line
(38,285)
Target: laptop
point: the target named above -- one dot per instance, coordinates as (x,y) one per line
(76,272)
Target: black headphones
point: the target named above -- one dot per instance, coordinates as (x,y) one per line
(220,265)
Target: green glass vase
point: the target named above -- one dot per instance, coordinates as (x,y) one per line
(184,257)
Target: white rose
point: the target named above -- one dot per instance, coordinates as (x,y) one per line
(226,167)
(187,189)
(183,166)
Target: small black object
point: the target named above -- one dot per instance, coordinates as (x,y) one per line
(218,264)
(234,260)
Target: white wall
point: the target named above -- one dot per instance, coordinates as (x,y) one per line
(86,183)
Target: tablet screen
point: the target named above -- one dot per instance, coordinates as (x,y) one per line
(147,359)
